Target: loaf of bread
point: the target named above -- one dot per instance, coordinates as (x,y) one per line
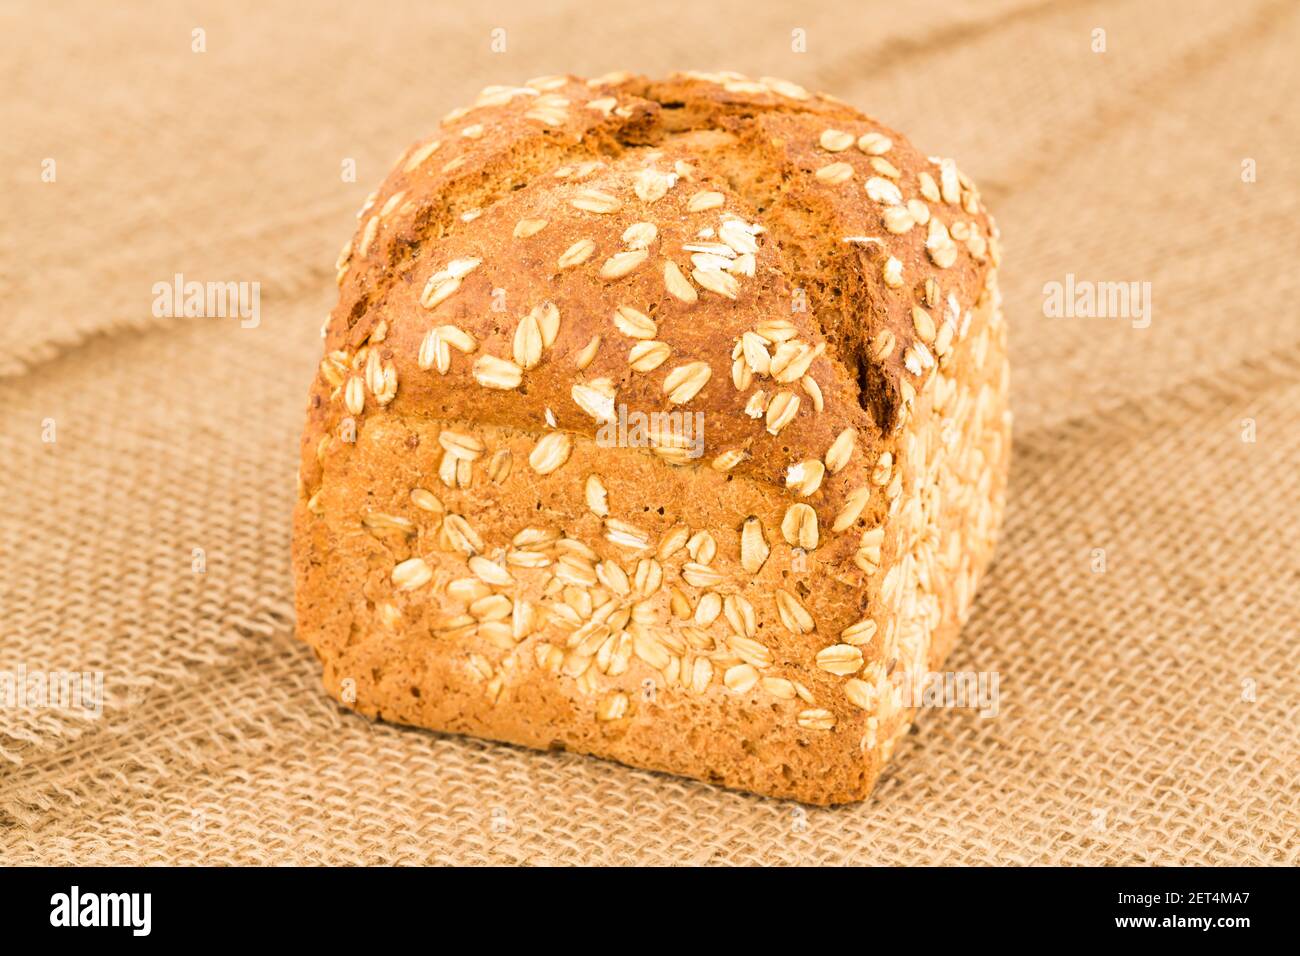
(664,421)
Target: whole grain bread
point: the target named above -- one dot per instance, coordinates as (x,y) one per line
(664,421)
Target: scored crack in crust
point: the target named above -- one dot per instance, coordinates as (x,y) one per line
(743,605)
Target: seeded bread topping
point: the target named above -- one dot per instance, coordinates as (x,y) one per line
(789,321)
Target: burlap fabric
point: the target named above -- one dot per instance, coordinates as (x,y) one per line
(1148,711)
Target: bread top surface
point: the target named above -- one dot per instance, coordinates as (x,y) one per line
(771,259)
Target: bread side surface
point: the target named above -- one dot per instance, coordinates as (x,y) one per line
(658,420)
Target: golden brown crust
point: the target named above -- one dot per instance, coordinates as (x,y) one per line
(766,258)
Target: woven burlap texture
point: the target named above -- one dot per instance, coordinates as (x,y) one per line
(1148,711)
